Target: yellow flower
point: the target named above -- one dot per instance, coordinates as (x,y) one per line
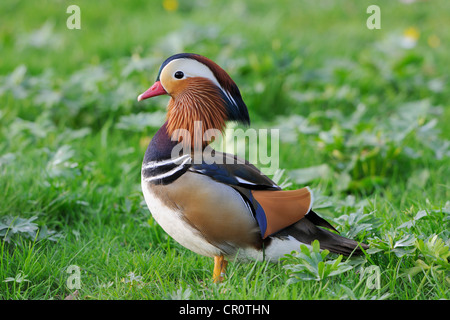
(411,33)
(410,37)
(170,5)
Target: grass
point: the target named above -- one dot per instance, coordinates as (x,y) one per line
(362,119)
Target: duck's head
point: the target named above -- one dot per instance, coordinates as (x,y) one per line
(199,90)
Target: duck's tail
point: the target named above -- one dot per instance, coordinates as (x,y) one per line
(309,229)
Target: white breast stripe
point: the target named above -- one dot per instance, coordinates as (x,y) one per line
(152,164)
(168,174)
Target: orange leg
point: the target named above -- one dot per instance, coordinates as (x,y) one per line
(220,265)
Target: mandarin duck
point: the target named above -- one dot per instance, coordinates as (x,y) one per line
(221,206)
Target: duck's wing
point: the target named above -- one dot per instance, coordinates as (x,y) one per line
(233,171)
(273,208)
(279,213)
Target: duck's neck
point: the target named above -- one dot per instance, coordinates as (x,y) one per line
(161,146)
(165,146)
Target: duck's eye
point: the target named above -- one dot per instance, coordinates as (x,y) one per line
(179,74)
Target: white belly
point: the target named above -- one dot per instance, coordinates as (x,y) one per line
(172,223)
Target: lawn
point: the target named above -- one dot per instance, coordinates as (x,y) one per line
(363,120)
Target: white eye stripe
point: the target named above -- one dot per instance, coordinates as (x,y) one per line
(194,68)
(190,68)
